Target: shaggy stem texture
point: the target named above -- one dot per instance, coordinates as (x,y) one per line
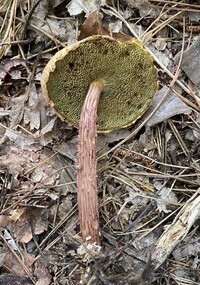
(86,174)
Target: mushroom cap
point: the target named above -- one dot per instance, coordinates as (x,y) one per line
(125,68)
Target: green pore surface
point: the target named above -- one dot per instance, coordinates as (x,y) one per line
(127,70)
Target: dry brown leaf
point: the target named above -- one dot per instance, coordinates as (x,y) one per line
(10,261)
(32,110)
(32,221)
(93,26)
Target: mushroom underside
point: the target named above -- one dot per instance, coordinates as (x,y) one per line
(126,70)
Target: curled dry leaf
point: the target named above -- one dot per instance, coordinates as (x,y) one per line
(6,67)
(93,26)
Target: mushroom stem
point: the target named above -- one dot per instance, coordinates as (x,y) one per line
(86,173)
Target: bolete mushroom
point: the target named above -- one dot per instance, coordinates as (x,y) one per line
(121,79)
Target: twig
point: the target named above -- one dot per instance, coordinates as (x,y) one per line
(176,232)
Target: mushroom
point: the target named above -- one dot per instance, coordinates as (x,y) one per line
(119,78)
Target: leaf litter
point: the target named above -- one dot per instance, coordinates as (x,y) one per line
(148,176)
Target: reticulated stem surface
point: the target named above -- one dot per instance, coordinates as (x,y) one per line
(86,174)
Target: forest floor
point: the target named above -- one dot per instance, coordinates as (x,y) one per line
(148,174)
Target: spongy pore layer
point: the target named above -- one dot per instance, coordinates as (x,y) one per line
(126,68)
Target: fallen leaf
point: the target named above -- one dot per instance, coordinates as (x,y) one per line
(163,57)
(115,136)
(136,200)
(48,128)
(16,166)
(146,142)
(93,26)
(172,106)
(190,62)
(32,221)
(6,67)
(65,206)
(37,174)
(17,105)
(144,242)
(115,27)
(62,29)
(20,140)
(87,6)
(15,74)
(45,135)
(11,262)
(68,149)
(148,10)
(56,3)
(32,110)
(166,197)
(160,43)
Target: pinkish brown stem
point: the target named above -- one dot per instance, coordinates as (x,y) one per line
(86,174)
